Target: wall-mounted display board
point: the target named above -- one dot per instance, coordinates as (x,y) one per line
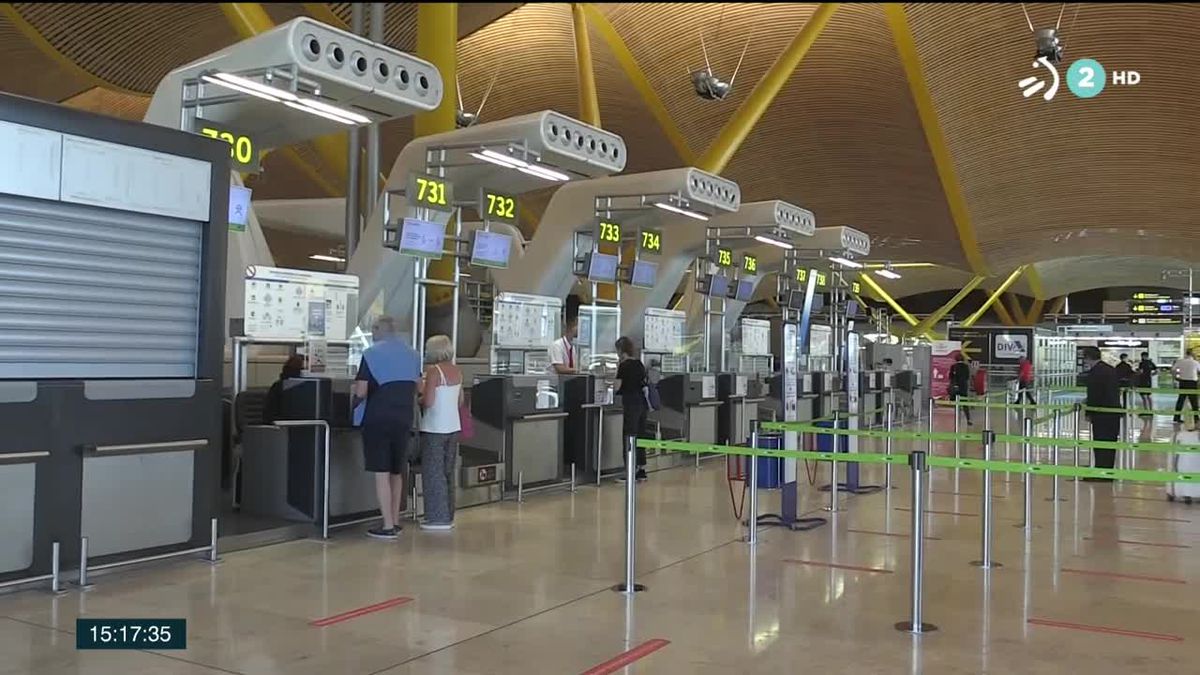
(820,341)
(522,321)
(663,331)
(756,337)
(298,304)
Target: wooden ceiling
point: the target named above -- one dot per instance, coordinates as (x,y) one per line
(1069,180)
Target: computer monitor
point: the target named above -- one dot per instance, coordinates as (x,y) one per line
(644,274)
(491,249)
(602,267)
(718,285)
(745,290)
(851,309)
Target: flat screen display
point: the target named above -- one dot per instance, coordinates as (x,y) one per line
(602,267)
(422,238)
(818,302)
(718,285)
(239,207)
(644,275)
(796,299)
(745,290)
(491,249)
(851,309)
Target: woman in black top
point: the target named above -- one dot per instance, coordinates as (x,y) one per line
(631,378)
(1145,379)
(960,383)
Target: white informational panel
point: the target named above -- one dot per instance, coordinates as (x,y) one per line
(99,173)
(663,331)
(298,304)
(756,337)
(820,341)
(33,158)
(852,392)
(790,413)
(522,321)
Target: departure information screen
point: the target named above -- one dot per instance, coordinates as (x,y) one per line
(718,285)
(491,249)
(422,238)
(602,268)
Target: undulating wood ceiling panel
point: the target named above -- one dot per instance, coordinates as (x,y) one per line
(132,45)
(843,139)
(1071,275)
(400,20)
(108,102)
(29,72)
(1039,174)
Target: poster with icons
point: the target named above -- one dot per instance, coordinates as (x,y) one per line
(298,305)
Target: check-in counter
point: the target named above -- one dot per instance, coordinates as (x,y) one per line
(689,411)
(740,396)
(594,428)
(520,420)
(283,467)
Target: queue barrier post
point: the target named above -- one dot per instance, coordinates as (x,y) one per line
(985,531)
(629,587)
(752,519)
(1056,426)
(915,624)
(1027,458)
(887,444)
(930,427)
(957,414)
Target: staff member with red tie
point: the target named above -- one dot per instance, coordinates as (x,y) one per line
(562,350)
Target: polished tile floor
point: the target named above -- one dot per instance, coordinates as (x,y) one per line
(1103,584)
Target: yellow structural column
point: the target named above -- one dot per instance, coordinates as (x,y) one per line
(866,279)
(589,103)
(1002,312)
(1035,312)
(1012,278)
(739,126)
(1056,307)
(437,42)
(932,320)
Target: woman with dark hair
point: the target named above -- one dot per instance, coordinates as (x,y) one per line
(630,384)
(273,404)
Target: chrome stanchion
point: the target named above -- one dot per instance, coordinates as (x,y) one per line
(1027,458)
(83,564)
(930,427)
(599,445)
(520,487)
(1056,427)
(1078,427)
(572,476)
(629,587)
(833,481)
(212,546)
(887,444)
(985,544)
(917,573)
(957,413)
(752,519)
(55,569)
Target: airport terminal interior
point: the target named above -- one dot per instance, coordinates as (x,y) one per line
(588,338)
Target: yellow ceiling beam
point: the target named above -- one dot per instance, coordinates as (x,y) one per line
(247,18)
(1002,312)
(1056,307)
(589,102)
(906,48)
(1035,313)
(639,81)
(866,279)
(1018,312)
(739,126)
(928,323)
(1035,282)
(1012,278)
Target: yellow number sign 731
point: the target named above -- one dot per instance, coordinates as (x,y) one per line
(430,192)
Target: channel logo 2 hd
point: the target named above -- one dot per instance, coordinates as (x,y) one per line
(1010,347)
(1085,78)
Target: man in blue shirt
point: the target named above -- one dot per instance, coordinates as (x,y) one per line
(387,384)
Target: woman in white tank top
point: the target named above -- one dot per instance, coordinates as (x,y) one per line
(441,397)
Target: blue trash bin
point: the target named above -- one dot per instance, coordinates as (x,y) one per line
(825,441)
(770,469)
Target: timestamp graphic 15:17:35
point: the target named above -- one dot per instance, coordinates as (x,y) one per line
(131,633)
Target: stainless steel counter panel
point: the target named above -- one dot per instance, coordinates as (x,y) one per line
(136,500)
(537,442)
(702,422)
(612,440)
(265,475)
(16,515)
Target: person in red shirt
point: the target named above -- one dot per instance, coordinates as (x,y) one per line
(1025,381)
(980,383)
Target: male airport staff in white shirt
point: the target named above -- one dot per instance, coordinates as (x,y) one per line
(562,351)
(1187,372)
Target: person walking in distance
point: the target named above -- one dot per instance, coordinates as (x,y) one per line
(1144,378)
(386,385)
(441,396)
(960,383)
(1187,371)
(1025,380)
(631,384)
(1103,391)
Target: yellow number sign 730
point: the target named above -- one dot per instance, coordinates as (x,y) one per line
(430,192)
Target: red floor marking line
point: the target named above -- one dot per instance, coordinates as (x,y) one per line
(1156,518)
(1114,575)
(836,566)
(889,534)
(940,513)
(361,611)
(1106,630)
(624,659)
(1141,543)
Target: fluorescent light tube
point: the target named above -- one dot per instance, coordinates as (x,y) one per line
(685,212)
(318,113)
(845,262)
(774,242)
(500,158)
(887,274)
(335,110)
(543,172)
(259,87)
(326,258)
(237,87)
